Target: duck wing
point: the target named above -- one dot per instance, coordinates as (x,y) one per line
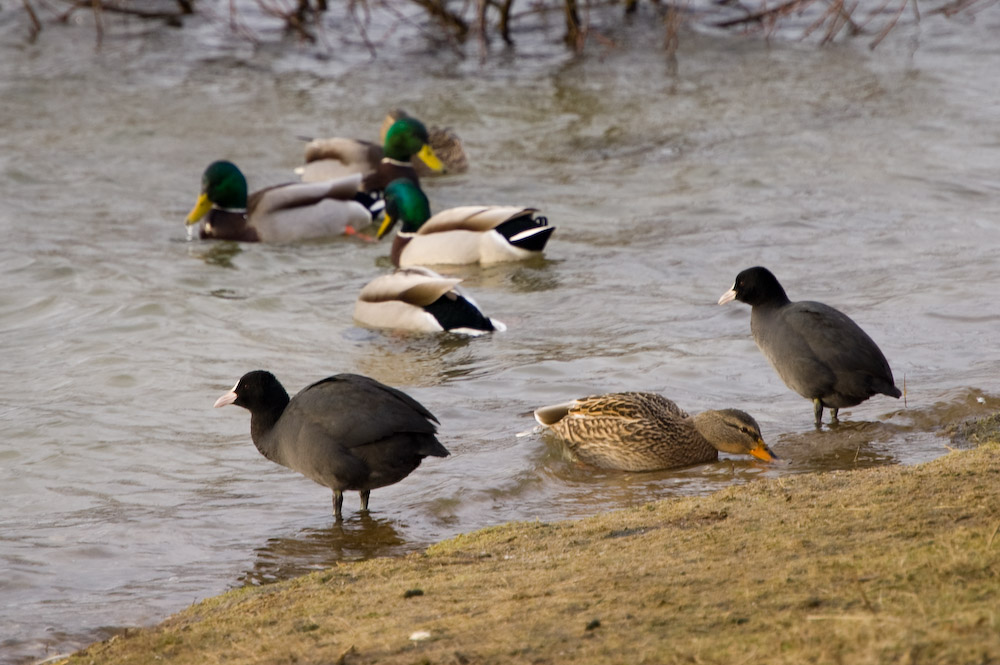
(303,211)
(301,194)
(479,219)
(337,157)
(415,286)
(627,406)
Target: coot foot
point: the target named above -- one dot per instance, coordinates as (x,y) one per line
(338,505)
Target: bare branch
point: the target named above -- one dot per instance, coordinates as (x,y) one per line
(766,14)
(362,30)
(890,25)
(437,9)
(831,20)
(36,25)
(504,24)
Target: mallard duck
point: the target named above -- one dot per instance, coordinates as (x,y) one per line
(818,351)
(445,143)
(421,300)
(335,157)
(283,213)
(636,431)
(467,234)
(345,432)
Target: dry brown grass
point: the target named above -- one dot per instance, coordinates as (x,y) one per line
(886,565)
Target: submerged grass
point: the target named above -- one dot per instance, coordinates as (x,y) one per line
(884,565)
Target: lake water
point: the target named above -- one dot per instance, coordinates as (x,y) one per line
(867,180)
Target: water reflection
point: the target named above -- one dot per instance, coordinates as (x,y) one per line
(358,537)
(532,275)
(847,445)
(220,254)
(631,488)
(397,357)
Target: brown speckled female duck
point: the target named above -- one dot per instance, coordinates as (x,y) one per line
(635,431)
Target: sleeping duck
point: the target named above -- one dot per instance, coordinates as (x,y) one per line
(336,157)
(282,213)
(420,300)
(467,234)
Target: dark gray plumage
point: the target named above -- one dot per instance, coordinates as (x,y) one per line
(346,432)
(818,351)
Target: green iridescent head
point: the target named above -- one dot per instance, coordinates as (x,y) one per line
(223,186)
(404,202)
(408,137)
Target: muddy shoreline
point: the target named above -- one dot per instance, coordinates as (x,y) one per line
(883,565)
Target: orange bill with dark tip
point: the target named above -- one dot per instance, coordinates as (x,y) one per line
(761,451)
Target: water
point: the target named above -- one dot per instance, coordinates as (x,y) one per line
(864,180)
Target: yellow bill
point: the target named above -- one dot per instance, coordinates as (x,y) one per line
(199,210)
(428,157)
(386,225)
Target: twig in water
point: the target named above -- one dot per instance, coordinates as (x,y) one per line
(295,19)
(36,25)
(889,26)
(672,24)
(504,24)
(575,35)
(957,6)
(362,30)
(98,22)
(766,14)
(448,18)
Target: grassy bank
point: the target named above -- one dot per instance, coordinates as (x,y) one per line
(886,565)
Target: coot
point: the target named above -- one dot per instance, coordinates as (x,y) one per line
(818,351)
(346,432)
(463,235)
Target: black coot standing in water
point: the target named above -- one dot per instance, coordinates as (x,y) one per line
(818,351)
(346,432)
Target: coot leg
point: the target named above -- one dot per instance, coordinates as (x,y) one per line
(818,411)
(338,505)
(364,498)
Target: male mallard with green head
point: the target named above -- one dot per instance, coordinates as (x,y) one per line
(462,235)
(282,213)
(335,157)
(445,143)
